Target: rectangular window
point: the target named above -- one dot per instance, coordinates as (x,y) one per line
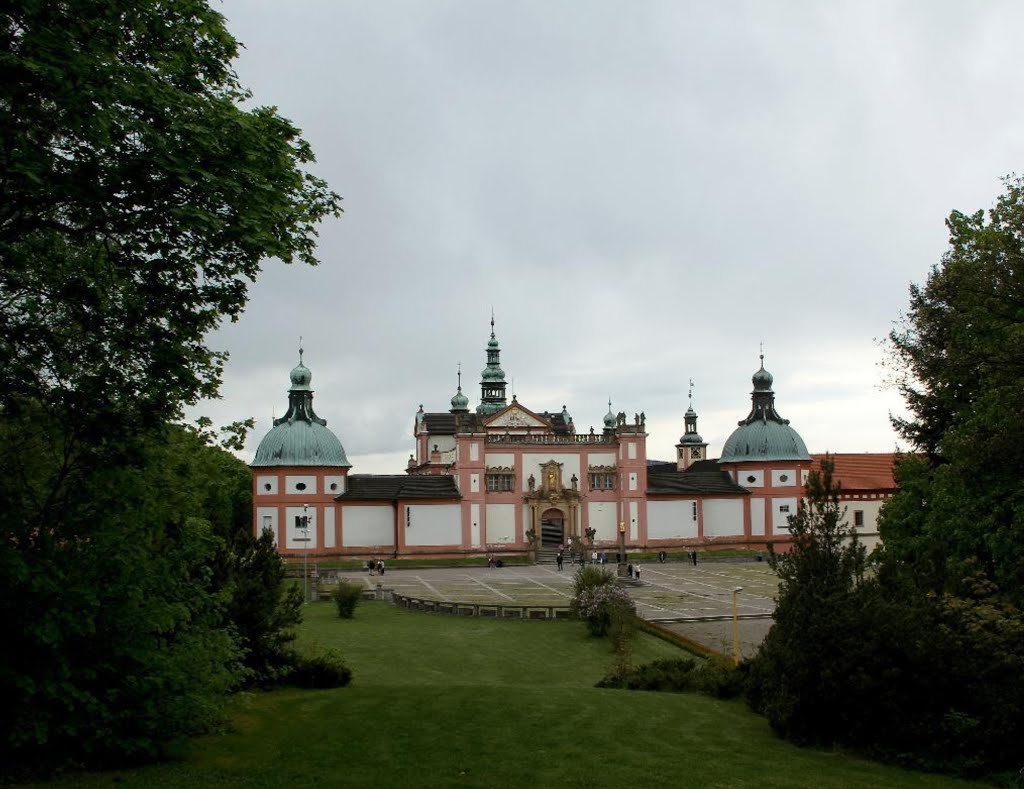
(501,483)
(858,517)
(695,510)
(783,508)
(602,481)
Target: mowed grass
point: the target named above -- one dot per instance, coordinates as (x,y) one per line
(441,701)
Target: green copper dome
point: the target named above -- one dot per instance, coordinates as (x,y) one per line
(763,435)
(300,437)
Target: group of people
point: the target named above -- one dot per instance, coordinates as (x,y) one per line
(634,571)
(375,567)
(493,562)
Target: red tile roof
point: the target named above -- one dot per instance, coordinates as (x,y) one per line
(862,471)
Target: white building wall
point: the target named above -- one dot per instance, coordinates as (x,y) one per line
(474,524)
(782,508)
(266,485)
(756,516)
(634,521)
(723,517)
(300,485)
(295,537)
(602,459)
(334,485)
(443,443)
(368,526)
(750,478)
(433,524)
(601,516)
(668,520)
(329,527)
(500,460)
(266,517)
(784,478)
(501,523)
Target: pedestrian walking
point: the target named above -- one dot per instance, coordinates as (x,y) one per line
(636,572)
(559,559)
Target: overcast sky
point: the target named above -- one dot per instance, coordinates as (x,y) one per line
(643,191)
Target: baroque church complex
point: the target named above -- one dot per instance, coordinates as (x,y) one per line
(502,478)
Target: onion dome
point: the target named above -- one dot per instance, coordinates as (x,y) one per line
(460,403)
(300,437)
(763,435)
(609,418)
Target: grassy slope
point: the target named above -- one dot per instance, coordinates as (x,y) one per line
(443,701)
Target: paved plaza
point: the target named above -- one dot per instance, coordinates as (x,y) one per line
(695,601)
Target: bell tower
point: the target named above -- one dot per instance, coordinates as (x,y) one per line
(691,447)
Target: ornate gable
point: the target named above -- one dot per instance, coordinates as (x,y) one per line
(516,417)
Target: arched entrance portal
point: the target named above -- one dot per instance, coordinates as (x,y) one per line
(552,529)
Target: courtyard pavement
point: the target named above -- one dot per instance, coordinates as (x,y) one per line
(694,601)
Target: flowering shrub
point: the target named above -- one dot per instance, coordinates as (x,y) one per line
(603,606)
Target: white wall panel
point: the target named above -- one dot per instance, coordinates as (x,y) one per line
(266,517)
(602,459)
(338,483)
(790,478)
(723,517)
(373,525)
(601,516)
(266,485)
(756,516)
(304,485)
(474,525)
(782,508)
(668,520)
(750,478)
(634,521)
(501,523)
(329,527)
(499,460)
(295,537)
(433,524)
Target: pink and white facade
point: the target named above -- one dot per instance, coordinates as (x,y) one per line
(503,478)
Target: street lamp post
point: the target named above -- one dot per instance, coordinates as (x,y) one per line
(736,627)
(305,554)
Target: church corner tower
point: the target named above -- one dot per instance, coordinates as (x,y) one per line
(299,469)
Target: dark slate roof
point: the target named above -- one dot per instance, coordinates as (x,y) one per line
(390,487)
(440,424)
(701,478)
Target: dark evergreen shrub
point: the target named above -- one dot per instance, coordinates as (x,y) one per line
(319,672)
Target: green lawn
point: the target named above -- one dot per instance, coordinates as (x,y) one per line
(440,701)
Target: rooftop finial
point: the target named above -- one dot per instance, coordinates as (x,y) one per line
(689,394)
(460,376)
(762,353)
(492,321)
(300,349)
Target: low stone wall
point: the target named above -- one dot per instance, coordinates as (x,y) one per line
(486,610)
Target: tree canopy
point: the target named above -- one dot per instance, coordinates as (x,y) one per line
(138,197)
(958,355)
(140,192)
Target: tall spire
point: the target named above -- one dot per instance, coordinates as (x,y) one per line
(492,383)
(460,403)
